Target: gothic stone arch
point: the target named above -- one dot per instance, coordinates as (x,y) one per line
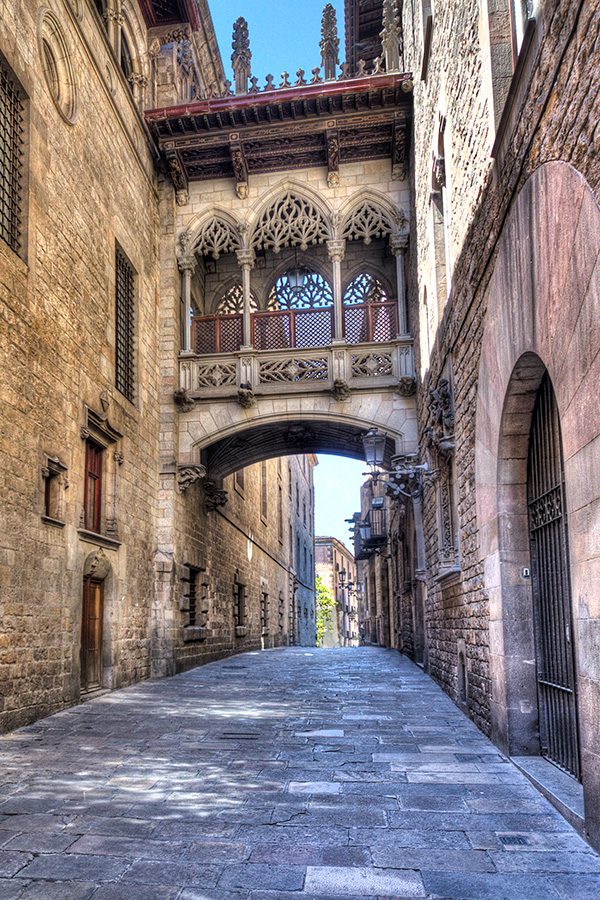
(335,425)
(542,307)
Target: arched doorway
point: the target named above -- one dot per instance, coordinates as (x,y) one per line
(95,642)
(551,589)
(91,634)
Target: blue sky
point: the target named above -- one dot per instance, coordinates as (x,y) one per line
(337,487)
(283,35)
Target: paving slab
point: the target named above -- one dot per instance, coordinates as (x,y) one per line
(335,773)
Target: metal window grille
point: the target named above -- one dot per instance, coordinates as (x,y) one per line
(12,110)
(193,607)
(125,326)
(552,602)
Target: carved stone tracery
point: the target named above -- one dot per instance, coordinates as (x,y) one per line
(369,221)
(290,221)
(217,238)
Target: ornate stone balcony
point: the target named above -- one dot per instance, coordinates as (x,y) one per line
(339,368)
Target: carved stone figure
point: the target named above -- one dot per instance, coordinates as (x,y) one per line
(183,401)
(214,497)
(407,386)
(441,432)
(341,390)
(391,39)
(187,475)
(246,398)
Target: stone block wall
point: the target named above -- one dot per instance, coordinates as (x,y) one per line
(89,183)
(550,114)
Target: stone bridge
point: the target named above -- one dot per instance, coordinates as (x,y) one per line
(238,409)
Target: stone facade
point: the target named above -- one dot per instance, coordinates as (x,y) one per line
(332,559)
(504,281)
(88,175)
(90,191)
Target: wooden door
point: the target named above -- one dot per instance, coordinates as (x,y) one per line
(91,634)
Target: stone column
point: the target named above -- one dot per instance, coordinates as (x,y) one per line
(187,265)
(246,261)
(336,249)
(399,246)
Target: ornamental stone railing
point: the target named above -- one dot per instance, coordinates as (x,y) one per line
(338,368)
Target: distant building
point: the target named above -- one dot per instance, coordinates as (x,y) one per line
(336,566)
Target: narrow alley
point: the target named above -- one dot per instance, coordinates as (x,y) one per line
(321,773)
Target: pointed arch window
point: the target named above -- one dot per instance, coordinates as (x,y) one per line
(232,301)
(311,291)
(369,313)
(126,59)
(365,288)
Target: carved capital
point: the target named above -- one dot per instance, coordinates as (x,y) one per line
(336,249)
(187,475)
(187,264)
(245,258)
(399,243)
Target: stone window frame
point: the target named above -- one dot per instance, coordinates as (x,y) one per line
(132,313)
(55,479)
(58,67)
(196,602)
(264,608)
(20,209)
(240,606)
(264,492)
(427,20)
(239,483)
(98,430)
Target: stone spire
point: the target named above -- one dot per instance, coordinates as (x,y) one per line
(330,43)
(241,56)
(391,36)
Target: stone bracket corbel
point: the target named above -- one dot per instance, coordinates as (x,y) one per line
(178,177)
(189,474)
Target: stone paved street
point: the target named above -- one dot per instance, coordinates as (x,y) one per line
(321,773)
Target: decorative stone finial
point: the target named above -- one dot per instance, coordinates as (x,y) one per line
(391,36)
(241,56)
(330,42)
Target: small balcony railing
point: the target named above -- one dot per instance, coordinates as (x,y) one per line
(217,334)
(286,329)
(295,329)
(370,323)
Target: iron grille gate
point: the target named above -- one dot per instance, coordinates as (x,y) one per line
(551,586)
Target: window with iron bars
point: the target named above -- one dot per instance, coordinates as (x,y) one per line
(124,326)
(12,142)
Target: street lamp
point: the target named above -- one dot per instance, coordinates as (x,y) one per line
(342,577)
(365,530)
(374,442)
